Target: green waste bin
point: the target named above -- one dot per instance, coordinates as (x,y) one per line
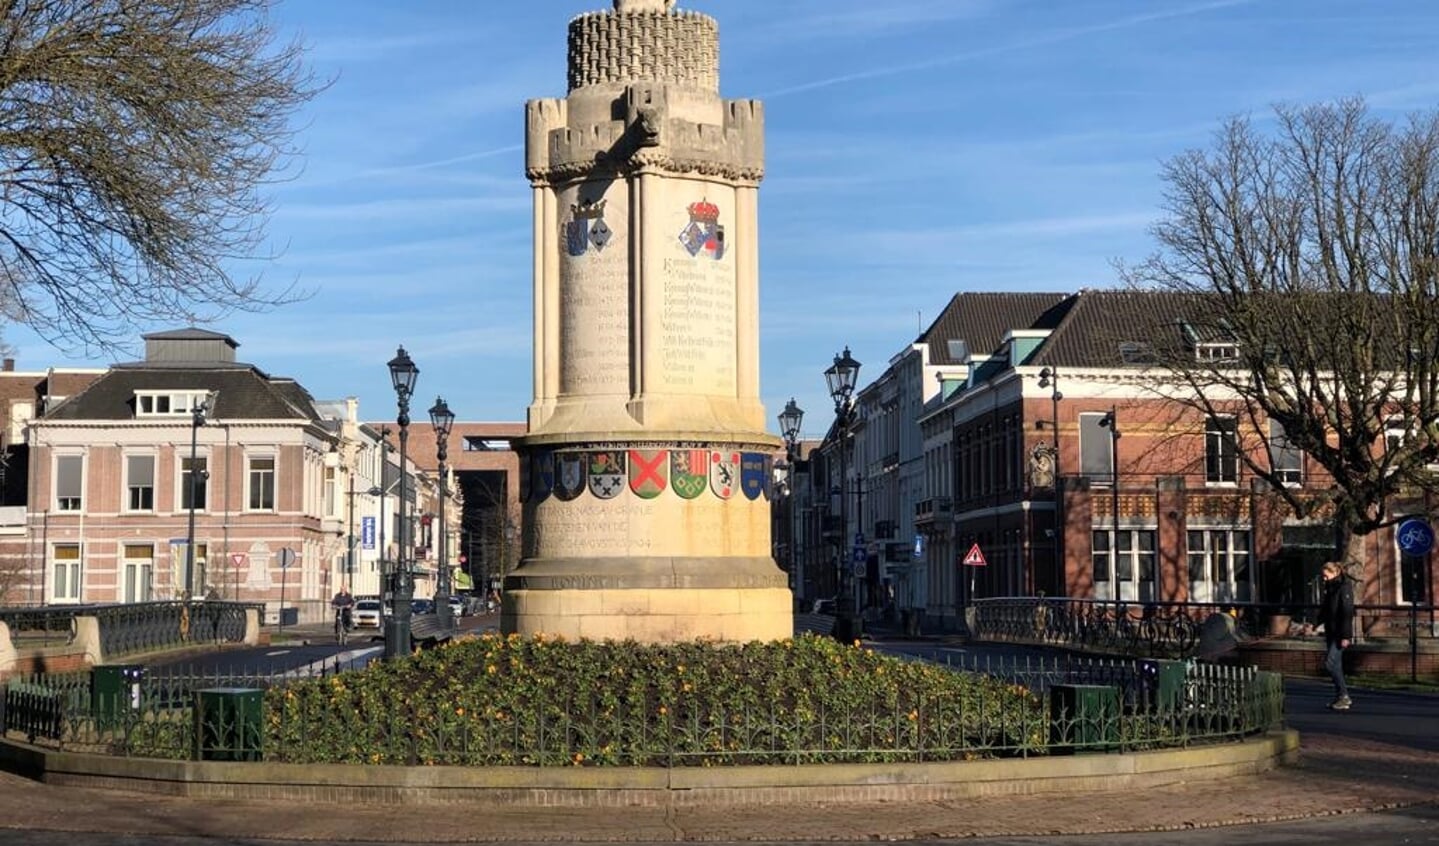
(1164,682)
(229,724)
(115,690)
(1083,717)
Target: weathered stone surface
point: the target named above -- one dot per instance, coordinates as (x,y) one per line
(648,455)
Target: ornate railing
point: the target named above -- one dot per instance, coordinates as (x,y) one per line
(128,629)
(1180,629)
(1149,629)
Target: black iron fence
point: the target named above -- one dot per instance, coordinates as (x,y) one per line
(1070,703)
(131,628)
(1177,629)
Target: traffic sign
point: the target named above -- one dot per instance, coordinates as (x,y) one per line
(975,558)
(1415,537)
(237,558)
(859,538)
(859,555)
(859,568)
(287,558)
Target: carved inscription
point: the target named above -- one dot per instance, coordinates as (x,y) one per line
(594,312)
(697,329)
(592,528)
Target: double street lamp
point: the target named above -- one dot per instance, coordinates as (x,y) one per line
(789,423)
(403,374)
(841,378)
(196,478)
(443,420)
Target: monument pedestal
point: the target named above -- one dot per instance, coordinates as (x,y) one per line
(647,468)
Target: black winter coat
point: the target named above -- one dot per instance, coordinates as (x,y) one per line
(1336,609)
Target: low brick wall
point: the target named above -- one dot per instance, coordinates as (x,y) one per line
(652,787)
(1306,657)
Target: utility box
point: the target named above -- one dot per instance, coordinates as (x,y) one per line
(1163,685)
(229,724)
(115,690)
(1083,717)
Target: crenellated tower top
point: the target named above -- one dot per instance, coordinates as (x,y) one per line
(644,41)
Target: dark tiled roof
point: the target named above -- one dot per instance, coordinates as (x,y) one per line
(981,320)
(244,394)
(1109,328)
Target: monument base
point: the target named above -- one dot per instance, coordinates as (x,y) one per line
(650,600)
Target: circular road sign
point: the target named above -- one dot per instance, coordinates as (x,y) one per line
(1415,537)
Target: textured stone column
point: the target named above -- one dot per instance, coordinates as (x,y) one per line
(647,467)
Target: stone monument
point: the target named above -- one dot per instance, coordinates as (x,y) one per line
(646,472)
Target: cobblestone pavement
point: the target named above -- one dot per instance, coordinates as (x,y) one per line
(1336,775)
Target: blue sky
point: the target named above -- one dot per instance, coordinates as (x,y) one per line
(915,148)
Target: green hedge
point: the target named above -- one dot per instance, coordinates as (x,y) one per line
(537,701)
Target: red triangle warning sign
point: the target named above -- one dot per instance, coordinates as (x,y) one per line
(975,558)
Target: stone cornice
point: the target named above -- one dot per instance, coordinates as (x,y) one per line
(565,172)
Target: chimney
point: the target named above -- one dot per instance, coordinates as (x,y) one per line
(9,365)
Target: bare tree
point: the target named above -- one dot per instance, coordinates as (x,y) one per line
(136,138)
(1312,258)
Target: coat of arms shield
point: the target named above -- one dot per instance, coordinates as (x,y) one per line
(542,475)
(569,475)
(607,473)
(752,474)
(724,473)
(689,471)
(648,472)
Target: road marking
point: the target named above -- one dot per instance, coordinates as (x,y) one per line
(277,652)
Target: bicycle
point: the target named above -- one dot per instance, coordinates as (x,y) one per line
(342,625)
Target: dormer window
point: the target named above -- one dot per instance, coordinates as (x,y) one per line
(1216,352)
(168,403)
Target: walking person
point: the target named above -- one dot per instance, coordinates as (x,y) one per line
(1336,615)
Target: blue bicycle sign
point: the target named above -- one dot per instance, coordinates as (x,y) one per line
(1415,537)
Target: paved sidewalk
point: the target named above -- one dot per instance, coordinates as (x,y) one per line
(1337,775)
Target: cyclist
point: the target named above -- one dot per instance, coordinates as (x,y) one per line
(343,604)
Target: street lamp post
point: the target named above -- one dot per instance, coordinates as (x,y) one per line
(841,377)
(1111,422)
(442,419)
(197,419)
(1049,378)
(789,423)
(403,374)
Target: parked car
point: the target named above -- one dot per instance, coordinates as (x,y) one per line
(823,606)
(457,607)
(368,614)
(422,606)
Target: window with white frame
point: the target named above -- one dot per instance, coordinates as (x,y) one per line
(168,403)
(261,483)
(139,572)
(66,573)
(1124,567)
(1288,460)
(1221,450)
(1219,565)
(194,482)
(69,482)
(1216,351)
(1096,449)
(139,483)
